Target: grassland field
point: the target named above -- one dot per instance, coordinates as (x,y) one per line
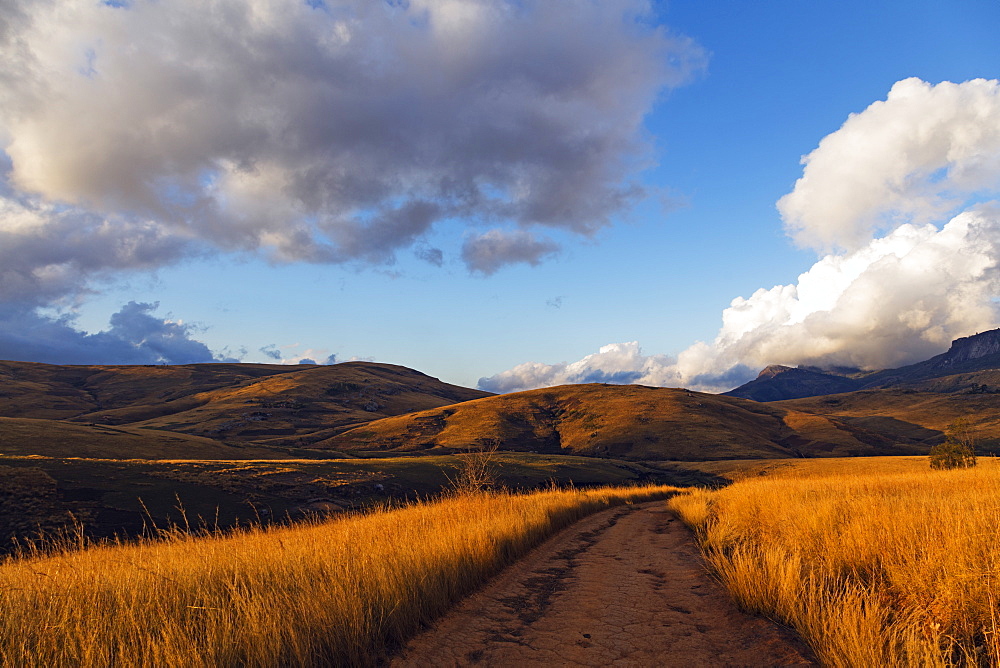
(341,592)
(875,561)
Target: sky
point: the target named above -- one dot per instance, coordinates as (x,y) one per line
(502,194)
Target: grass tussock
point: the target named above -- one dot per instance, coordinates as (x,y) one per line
(872,568)
(332,593)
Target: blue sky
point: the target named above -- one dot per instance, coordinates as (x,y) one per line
(723,144)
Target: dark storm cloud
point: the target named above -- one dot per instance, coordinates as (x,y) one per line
(48,251)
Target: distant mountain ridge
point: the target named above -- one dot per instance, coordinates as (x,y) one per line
(970,354)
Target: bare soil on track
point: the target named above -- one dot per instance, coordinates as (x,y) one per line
(624,587)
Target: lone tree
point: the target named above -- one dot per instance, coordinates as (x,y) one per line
(477,470)
(958,450)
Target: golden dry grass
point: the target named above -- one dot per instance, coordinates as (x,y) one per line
(893,565)
(332,593)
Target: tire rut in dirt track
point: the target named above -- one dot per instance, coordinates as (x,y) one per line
(624,587)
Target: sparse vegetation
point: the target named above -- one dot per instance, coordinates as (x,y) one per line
(874,568)
(332,593)
(477,469)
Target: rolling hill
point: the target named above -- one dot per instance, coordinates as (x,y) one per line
(55,438)
(243,411)
(219,408)
(227,440)
(629,422)
(270,405)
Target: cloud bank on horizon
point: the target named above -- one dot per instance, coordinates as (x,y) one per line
(138,133)
(134,337)
(899,201)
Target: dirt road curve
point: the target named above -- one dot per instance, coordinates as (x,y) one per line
(624,587)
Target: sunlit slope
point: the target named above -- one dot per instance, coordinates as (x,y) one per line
(52,438)
(270,404)
(624,421)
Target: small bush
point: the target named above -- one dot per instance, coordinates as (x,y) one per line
(952,455)
(958,450)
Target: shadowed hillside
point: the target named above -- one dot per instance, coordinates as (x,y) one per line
(627,422)
(54,438)
(50,391)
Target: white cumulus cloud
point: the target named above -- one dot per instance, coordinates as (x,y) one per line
(903,190)
(620,363)
(912,157)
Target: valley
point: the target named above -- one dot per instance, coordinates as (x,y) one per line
(123,448)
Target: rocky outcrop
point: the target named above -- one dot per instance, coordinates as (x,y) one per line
(984,344)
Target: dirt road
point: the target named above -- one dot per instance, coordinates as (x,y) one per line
(624,587)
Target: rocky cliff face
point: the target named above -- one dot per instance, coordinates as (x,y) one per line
(980,345)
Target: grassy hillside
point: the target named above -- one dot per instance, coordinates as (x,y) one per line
(301,407)
(626,422)
(271,405)
(54,438)
(245,411)
(49,391)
